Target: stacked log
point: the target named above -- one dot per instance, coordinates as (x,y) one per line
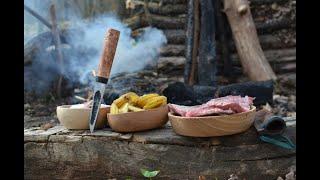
(279,52)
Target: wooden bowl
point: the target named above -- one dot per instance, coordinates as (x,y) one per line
(139,121)
(78,118)
(209,126)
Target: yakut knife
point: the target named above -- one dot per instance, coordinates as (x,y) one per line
(109,50)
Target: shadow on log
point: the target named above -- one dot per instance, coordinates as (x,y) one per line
(179,93)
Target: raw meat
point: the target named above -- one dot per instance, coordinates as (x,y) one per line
(223,105)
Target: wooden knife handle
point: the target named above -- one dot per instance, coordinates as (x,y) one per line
(109,50)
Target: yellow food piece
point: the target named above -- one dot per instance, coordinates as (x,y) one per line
(155,102)
(124,108)
(120,101)
(131,97)
(143,100)
(114,109)
(134,109)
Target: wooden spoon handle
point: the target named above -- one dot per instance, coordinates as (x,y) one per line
(109,50)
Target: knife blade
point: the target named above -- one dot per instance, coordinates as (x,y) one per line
(102,77)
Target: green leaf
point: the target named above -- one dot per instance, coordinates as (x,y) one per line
(149,174)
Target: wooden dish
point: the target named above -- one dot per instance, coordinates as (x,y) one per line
(78,118)
(139,121)
(209,126)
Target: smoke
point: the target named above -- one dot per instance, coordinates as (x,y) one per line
(131,54)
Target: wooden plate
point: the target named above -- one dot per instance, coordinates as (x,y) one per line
(78,118)
(139,121)
(210,126)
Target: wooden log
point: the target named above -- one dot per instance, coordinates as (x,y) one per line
(163,22)
(39,17)
(168,9)
(275,25)
(114,155)
(266,2)
(165,2)
(164,9)
(179,93)
(246,39)
(193,79)
(207,48)
(175,36)
(172,50)
(277,58)
(189,41)
(176,39)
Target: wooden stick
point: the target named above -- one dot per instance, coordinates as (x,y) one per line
(36,15)
(207,50)
(57,43)
(189,41)
(193,79)
(253,61)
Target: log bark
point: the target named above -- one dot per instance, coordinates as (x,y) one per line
(275,25)
(246,39)
(163,22)
(162,9)
(179,93)
(189,41)
(193,79)
(207,48)
(62,154)
(164,2)
(277,58)
(266,2)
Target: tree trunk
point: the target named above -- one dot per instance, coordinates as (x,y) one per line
(207,50)
(246,39)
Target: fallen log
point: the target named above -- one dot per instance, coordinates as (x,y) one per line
(165,2)
(166,9)
(180,93)
(207,48)
(268,42)
(275,25)
(175,36)
(266,2)
(172,50)
(189,42)
(246,39)
(162,22)
(277,58)
(59,153)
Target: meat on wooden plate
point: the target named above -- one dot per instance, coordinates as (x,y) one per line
(218,106)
